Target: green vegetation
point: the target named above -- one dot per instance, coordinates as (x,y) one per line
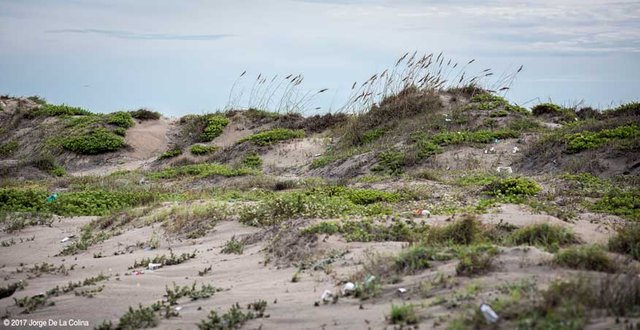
(233,246)
(176,292)
(475,261)
(620,202)
(488,101)
(140,318)
(550,237)
(200,149)
(234,318)
(90,202)
(372,135)
(214,126)
(586,140)
(512,189)
(50,110)
(627,240)
(198,170)
(99,140)
(252,161)
(121,119)
(145,114)
(413,259)
(172,259)
(390,162)
(8,148)
(272,136)
(323,202)
(590,257)
(404,314)
(431,144)
(554,110)
(171,153)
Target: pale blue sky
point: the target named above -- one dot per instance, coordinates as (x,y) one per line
(181,57)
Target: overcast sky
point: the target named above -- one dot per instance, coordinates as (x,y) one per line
(181,57)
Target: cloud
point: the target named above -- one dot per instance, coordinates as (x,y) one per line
(144,36)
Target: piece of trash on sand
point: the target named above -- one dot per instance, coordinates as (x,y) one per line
(348,288)
(489,315)
(326,296)
(66,239)
(178,308)
(402,290)
(153,266)
(422,213)
(515,149)
(369,280)
(507,169)
(52,198)
(142,181)
(138,273)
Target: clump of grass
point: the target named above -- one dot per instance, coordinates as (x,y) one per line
(586,140)
(476,261)
(171,153)
(233,246)
(627,240)
(591,257)
(413,259)
(97,141)
(8,148)
(372,135)
(624,203)
(550,237)
(274,135)
(121,119)
(404,314)
(200,149)
(31,303)
(51,110)
(172,259)
(215,124)
(140,318)
(464,231)
(198,170)
(232,319)
(390,162)
(145,114)
(513,189)
(252,161)
(176,292)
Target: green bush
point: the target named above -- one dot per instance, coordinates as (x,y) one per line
(51,110)
(404,314)
(171,153)
(199,149)
(198,170)
(578,142)
(413,259)
(98,141)
(215,124)
(546,108)
(390,162)
(252,161)
(627,240)
(548,236)
(273,135)
(620,202)
(145,114)
(513,189)
(591,257)
(121,119)
(120,131)
(476,261)
(8,148)
(372,135)
(58,171)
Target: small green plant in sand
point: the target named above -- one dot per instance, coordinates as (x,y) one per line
(403,314)
(201,149)
(233,246)
(274,135)
(586,257)
(171,153)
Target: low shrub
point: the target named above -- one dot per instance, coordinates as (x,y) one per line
(145,114)
(627,240)
(274,135)
(252,161)
(590,257)
(390,162)
(171,153)
(98,141)
(51,110)
(513,189)
(551,237)
(586,140)
(198,170)
(8,148)
(404,314)
(121,119)
(476,261)
(200,149)
(215,124)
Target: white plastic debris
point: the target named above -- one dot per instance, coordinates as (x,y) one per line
(489,315)
(142,181)
(317,155)
(402,290)
(65,239)
(326,296)
(369,280)
(447,119)
(153,266)
(492,150)
(425,213)
(178,308)
(515,149)
(348,288)
(506,169)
